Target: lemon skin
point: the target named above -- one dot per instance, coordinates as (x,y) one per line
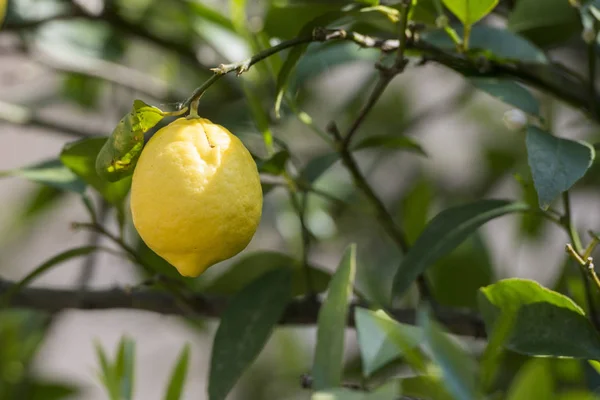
(196,197)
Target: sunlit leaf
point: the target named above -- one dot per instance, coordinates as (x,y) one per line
(470,11)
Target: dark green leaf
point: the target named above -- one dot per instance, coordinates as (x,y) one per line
(47,265)
(245,328)
(52,173)
(534,381)
(80,157)
(255,264)
(555,163)
(317,166)
(50,391)
(296,53)
(551,24)
(390,142)
(458,368)
(333,315)
(260,116)
(415,207)
(469,260)
(500,42)
(444,233)
(509,92)
(274,165)
(178,375)
(82,89)
(470,11)
(382,340)
(124,367)
(545,329)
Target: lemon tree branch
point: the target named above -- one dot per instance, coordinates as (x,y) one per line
(298,312)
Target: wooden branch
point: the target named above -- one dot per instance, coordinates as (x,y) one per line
(298,312)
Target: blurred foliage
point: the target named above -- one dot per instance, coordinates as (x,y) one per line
(377,194)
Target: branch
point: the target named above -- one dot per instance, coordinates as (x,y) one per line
(298,312)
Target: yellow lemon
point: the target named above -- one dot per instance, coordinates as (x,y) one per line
(196,197)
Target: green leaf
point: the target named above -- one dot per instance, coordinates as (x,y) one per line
(390,142)
(274,165)
(296,53)
(534,381)
(80,157)
(124,367)
(544,322)
(470,11)
(551,24)
(245,328)
(509,92)
(46,266)
(555,163)
(82,89)
(119,154)
(445,232)
(338,394)
(260,116)
(458,368)
(500,42)
(108,374)
(382,340)
(331,324)
(317,166)
(249,268)
(424,387)
(471,262)
(50,391)
(52,173)
(178,375)
(210,14)
(415,207)
(545,329)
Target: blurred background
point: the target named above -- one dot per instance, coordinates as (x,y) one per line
(72,69)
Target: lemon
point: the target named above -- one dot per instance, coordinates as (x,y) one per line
(196,197)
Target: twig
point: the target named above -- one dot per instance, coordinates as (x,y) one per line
(298,312)
(87,269)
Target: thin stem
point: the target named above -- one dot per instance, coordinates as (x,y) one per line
(591,54)
(567,222)
(243,66)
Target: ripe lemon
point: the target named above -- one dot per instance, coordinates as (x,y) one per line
(196,197)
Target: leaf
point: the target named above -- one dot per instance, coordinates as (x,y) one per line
(108,374)
(245,328)
(390,142)
(551,24)
(50,391)
(44,267)
(296,53)
(260,116)
(445,232)
(317,166)
(338,394)
(508,295)
(249,268)
(534,381)
(331,324)
(555,163)
(501,43)
(178,375)
(124,367)
(382,340)
(470,11)
(414,208)
(424,387)
(80,157)
(84,90)
(119,154)
(3,6)
(509,92)
(274,165)
(458,368)
(210,14)
(545,322)
(545,329)
(52,173)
